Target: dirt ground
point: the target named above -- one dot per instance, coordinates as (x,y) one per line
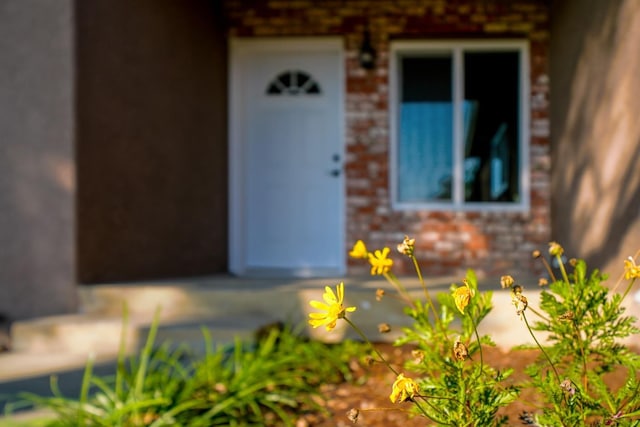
(371,396)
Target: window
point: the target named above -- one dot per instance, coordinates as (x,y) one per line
(459,125)
(293,83)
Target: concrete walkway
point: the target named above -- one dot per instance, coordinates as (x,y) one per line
(229,307)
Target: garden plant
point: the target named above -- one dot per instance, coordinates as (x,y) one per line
(268,382)
(448,381)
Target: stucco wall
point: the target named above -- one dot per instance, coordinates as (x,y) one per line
(151,139)
(36,158)
(595,68)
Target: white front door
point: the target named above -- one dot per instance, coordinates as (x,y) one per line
(286,158)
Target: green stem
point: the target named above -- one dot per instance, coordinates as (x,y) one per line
(562,269)
(475,329)
(426,398)
(391,278)
(626,292)
(615,288)
(582,355)
(524,316)
(462,392)
(548,268)
(426,291)
(537,313)
(426,414)
(364,337)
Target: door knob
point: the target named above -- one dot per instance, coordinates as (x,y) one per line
(335,173)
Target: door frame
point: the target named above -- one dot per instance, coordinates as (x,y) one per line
(239,49)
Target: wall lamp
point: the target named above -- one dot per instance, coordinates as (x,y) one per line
(367,54)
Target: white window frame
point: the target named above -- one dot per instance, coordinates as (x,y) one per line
(456,48)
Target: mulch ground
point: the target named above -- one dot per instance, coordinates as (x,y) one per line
(370,392)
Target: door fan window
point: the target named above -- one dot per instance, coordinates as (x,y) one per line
(293,83)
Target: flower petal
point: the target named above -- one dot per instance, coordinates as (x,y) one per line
(318,315)
(316,324)
(319,305)
(340,289)
(359,250)
(331,325)
(329,296)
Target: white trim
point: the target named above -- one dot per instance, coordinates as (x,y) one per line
(395,81)
(239,48)
(458,135)
(455,47)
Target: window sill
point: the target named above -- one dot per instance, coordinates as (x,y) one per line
(467,207)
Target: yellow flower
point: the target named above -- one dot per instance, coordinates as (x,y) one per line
(403,389)
(380,264)
(555,249)
(631,270)
(359,250)
(462,296)
(333,308)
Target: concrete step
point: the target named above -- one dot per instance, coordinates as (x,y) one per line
(73,334)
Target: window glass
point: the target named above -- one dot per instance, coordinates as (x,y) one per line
(425,152)
(293,83)
(491,127)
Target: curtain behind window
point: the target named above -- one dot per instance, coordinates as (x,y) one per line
(425,152)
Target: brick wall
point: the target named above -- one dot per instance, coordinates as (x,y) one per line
(447,242)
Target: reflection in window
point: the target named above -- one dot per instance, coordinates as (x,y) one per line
(293,83)
(491,83)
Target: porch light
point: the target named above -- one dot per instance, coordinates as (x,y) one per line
(367,54)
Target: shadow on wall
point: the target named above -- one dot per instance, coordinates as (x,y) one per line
(36,160)
(595,78)
(38,276)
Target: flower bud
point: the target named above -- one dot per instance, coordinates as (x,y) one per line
(555,249)
(506,282)
(384,328)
